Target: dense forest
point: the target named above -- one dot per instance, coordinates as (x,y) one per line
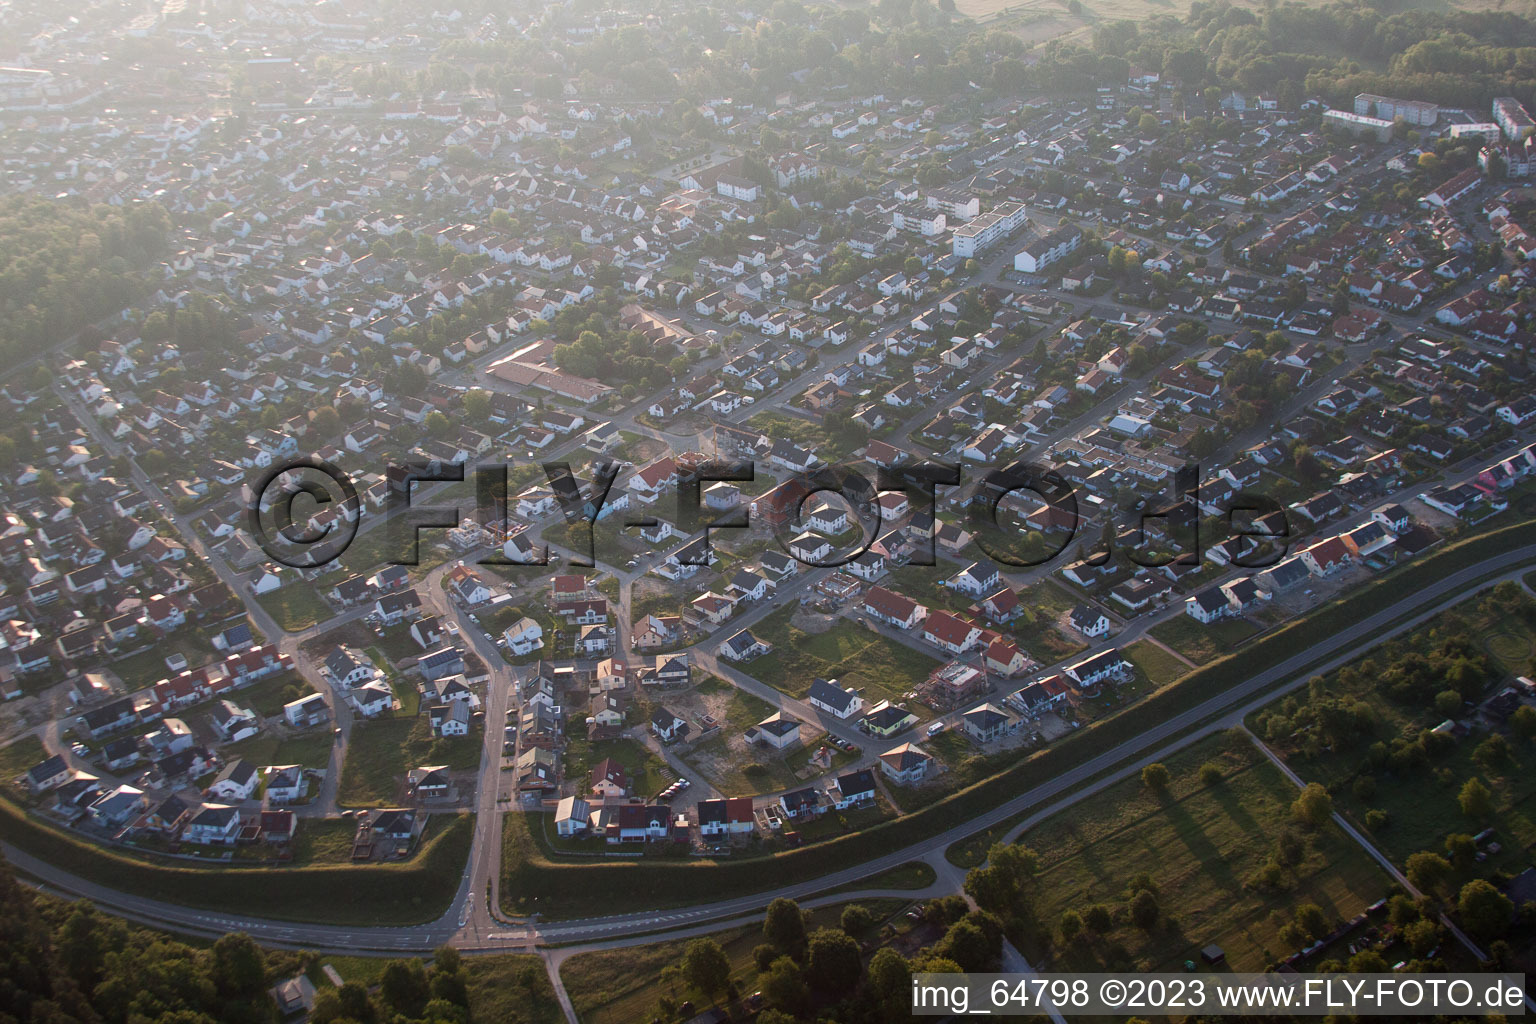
(64,266)
(906,47)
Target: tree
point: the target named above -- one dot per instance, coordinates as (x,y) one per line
(1447,703)
(890,977)
(1314,806)
(1070,925)
(1524,722)
(784,927)
(1476,799)
(239,968)
(437,424)
(1484,911)
(403,986)
(1311,919)
(477,405)
(1426,871)
(833,964)
(1155,777)
(1098,918)
(706,967)
(1144,910)
(856,919)
(967,945)
(784,986)
(1462,849)
(1493,753)
(326,421)
(1422,936)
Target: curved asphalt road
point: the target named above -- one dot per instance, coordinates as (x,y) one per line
(1069,787)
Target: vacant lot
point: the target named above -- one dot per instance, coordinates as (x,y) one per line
(728,761)
(1200,643)
(1200,843)
(312,750)
(17,757)
(1155,663)
(857,657)
(380,752)
(295,607)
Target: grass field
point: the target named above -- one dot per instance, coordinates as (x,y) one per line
(324,841)
(311,751)
(147,667)
(914,874)
(510,989)
(17,757)
(857,657)
(1200,843)
(1200,643)
(295,607)
(1160,667)
(380,752)
(1421,804)
(621,985)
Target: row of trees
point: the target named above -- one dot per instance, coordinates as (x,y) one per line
(801,971)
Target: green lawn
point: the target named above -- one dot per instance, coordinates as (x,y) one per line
(324,841)
(1200,844)
(622,986)
(380,752)
(295,607)
(857,657)
(1200,643)
(1160,667)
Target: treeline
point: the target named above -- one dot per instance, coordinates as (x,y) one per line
(64,266)
(65,963)
(821,974)
(1455,58)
